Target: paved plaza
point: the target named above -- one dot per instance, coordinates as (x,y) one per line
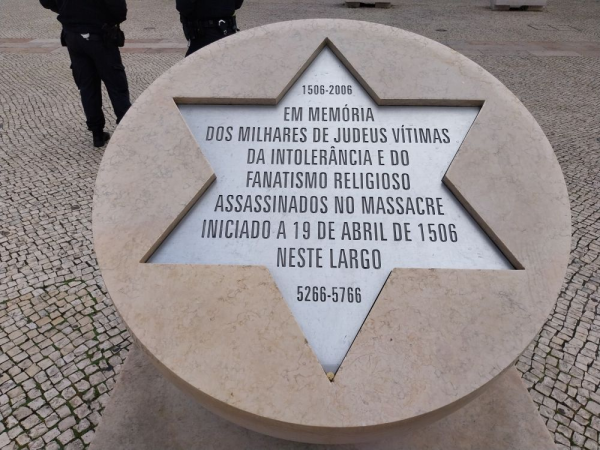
(62,344)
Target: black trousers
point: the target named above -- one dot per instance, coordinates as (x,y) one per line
(209,36)
(91,63)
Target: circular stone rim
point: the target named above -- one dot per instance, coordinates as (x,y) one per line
(132,214)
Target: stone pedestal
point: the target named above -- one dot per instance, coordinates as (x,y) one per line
(254,332)
(147,412)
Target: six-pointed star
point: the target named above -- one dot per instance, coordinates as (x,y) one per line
(329,230)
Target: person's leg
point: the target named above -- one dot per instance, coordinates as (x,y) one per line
(210,35)
(87,81)
(112,72)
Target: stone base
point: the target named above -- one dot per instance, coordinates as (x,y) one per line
(531,5)
(147,412)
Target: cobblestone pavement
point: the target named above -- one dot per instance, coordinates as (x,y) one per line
(572,20)
(469,48)
(61,342)
(561,368)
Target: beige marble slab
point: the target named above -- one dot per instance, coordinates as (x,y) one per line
(434,340)
(503,418)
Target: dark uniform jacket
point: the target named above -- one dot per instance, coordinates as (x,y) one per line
(87,16)
(207,9)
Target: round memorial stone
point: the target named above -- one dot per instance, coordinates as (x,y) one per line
(331,231)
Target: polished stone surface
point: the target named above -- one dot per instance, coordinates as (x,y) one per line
(502,418)
(330,192)
(434,339)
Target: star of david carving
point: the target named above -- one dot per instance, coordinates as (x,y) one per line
(330,192)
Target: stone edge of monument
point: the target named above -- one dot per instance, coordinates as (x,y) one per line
(247,359)
(502,418)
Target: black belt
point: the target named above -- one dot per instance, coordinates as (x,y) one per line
(212,23)
(91,36)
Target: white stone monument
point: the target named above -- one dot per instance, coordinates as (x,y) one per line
(332,231)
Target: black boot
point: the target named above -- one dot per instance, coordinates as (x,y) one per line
(100,138)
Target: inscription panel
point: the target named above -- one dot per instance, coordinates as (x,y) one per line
(330,192)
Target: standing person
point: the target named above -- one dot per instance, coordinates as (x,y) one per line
(92,36)
(207,21)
